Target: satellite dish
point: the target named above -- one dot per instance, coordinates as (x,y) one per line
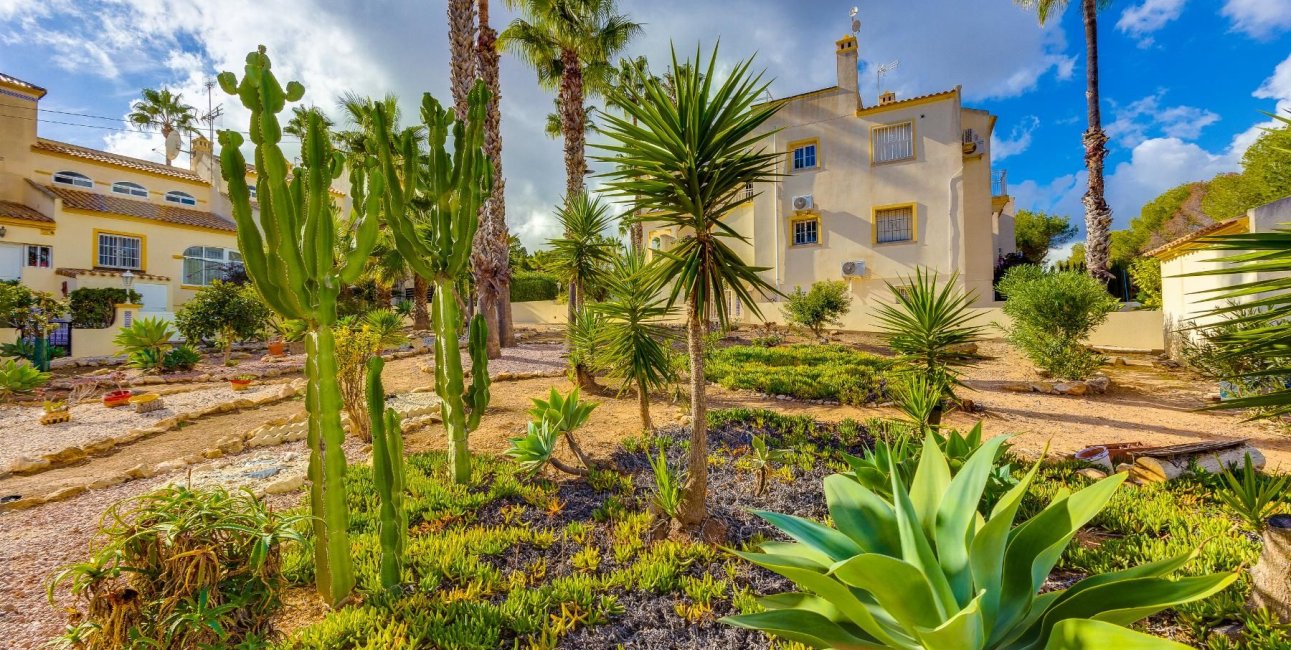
(855,10)
(856,26)
(172,145)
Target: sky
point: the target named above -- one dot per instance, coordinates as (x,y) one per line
(1185,83)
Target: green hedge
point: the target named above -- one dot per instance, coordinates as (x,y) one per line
(527,286)
(95,308)
(803,371)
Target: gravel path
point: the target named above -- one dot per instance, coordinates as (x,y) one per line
(91,422)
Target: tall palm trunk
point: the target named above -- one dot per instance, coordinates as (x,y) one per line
(573,126)
(489,258)
(420,312)
(1098,216)
(461,52)
(694,508)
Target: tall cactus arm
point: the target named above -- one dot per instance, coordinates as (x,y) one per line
(396,198)
(477,394)
(385,431)
(366,230)
(250,243)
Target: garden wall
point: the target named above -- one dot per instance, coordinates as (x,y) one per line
(1129,330)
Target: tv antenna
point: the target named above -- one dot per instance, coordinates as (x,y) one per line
(882,70)
(212,111)
(856,22)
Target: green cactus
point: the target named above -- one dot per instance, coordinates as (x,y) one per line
(289,255)
(387,468)
(445,193)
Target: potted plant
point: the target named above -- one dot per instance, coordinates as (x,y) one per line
(120,396)
(56,411)
(241,382)
(147,402)
(290,336)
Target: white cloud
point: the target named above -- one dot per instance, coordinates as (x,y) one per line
(1139,120)
(1142,20)
(1260,19)
(1019,139)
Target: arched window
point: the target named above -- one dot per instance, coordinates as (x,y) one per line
(205,264)
(130,189)
(181,198)
(76,179)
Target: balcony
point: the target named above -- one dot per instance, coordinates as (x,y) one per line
(999,182)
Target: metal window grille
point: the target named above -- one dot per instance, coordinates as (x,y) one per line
(894,224)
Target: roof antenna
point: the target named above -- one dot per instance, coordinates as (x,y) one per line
(880,72)
(856,22)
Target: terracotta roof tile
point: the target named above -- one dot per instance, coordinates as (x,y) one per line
(11,210)
(143,209)
(1192,236)
(115,159)
(107,273)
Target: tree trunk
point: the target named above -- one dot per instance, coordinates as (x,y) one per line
(1098,216)
(488,307)
(694,508)
(461,52)
(643,402)
(637,232)
(506,327)
(495,209)
(1270,578)
(420,312)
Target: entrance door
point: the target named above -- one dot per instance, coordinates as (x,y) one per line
(10,261)
(155,296)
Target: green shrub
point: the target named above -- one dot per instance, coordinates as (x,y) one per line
(1053,312)
(94,308)
(223,312)
(179,568)
(803,371)
(1145,272)
(1251,495)
(18,377)
(528,286)
(929,325)
(825,304)
(179,359)
(387,324)
(668,484)
(1205,350)
(143,342)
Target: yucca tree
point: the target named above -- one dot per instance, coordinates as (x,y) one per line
(684,160)
(164,111)
(1098,215)
(634,341)
(581,259)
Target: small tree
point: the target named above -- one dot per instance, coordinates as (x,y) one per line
(224,312)
(825,304)
(1053,312)
(634,342)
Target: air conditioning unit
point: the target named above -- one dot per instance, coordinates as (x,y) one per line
(804,202)
(973,143)
(854,269)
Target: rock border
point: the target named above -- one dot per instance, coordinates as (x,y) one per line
(1096,385)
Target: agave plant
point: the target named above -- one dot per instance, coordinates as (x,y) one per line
(764,457)
(558,415)
(925,570)
(20,377)
(536,448)
(143,342)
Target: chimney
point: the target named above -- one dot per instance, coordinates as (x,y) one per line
(201,160)
(846,57)
(887,97)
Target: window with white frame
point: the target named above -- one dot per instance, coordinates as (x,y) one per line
(181,198)
(41,257)
(894,224)
(806,232)
(893,142)
(748,191)
(804,156)
(252,188)
(205,264)
(75,179)
(120,251)
(130,189)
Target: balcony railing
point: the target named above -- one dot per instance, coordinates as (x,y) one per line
(999,182)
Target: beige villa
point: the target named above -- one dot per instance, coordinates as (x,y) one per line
(75,217)
(869,193)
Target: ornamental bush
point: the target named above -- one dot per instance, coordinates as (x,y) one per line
(94,308)
(223,312)
(1053,312)
(528,286)
(804,372)
(825,304)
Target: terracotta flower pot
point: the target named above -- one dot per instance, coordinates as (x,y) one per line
(55,417)
(113,399)
(277,348)
(240,384)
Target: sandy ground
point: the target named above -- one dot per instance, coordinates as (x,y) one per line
(1146,404)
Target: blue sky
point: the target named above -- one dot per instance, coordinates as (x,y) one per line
(1183,81)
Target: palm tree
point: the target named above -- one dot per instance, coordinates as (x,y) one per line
(1098,215)
(580,259)
(633,339)
(297,125)
(164,111)
(686,162)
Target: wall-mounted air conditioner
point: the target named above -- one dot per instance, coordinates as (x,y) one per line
(854,269)
(804,202)
(973,144)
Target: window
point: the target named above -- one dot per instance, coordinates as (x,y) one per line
(130,189)
(893,142)
(205,264)
(181,198)
(806,232)
(76,179)
(895,224)
(41,257)
(747,193)
(804,155)
(120,251)
(253,191)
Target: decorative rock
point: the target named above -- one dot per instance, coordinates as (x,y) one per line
(66,493)
(285,485)
(232,445)
(213,453)
(27,465)
(264,473)
(1099,383)
(1017,388)
(168,466)
(142,470)
(66,456)
(101,372)
(1042,387)
(1070,388)
(109,481)
(1092,474)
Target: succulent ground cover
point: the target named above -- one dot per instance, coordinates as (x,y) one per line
(509,561)
(828,372)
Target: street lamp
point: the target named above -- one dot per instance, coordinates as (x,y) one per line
(127,280)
